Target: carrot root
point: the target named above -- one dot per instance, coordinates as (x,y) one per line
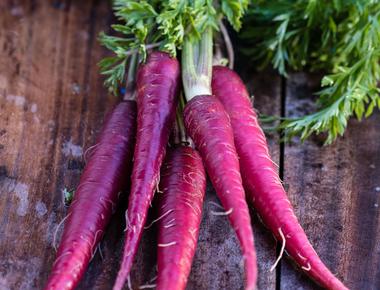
(98,190)
(183,182)
(158,82)
(209,126)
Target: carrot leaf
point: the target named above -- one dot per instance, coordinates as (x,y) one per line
(164,24)
(340,36)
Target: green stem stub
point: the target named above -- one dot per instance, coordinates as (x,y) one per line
(130,83)
(181,136)
(197,65)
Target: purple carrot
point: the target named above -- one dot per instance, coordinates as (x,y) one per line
(158,83)
(263,185)
(183,185)
(104,177)
(208,125)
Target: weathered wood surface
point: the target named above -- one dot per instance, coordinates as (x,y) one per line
(51,106)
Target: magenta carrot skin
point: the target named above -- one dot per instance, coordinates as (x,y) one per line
(104,177)
(183,186)
(208,124)
(263,185)
(158,82)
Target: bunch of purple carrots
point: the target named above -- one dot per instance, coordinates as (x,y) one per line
(177,122)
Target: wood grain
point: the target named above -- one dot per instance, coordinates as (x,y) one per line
(52,102)
(266,91)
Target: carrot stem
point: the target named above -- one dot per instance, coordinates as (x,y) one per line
(228,43)
(183,138)
(204,65)
(197,65)
(130,84)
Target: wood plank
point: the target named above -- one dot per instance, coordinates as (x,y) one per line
(266,90)
(333,190)
(52,103)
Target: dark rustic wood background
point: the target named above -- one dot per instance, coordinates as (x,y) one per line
(52,102)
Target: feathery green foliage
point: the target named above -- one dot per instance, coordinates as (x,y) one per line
(339,36)
(162,24)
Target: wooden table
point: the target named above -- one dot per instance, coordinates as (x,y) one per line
(52,102)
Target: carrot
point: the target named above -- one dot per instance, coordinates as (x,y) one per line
(208,125)
(104,177)
(183,185)
(157,87)
(263,185)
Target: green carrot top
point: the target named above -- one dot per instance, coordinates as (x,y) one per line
(164,25)
(339,36)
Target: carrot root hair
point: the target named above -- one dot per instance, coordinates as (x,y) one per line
(281,251)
